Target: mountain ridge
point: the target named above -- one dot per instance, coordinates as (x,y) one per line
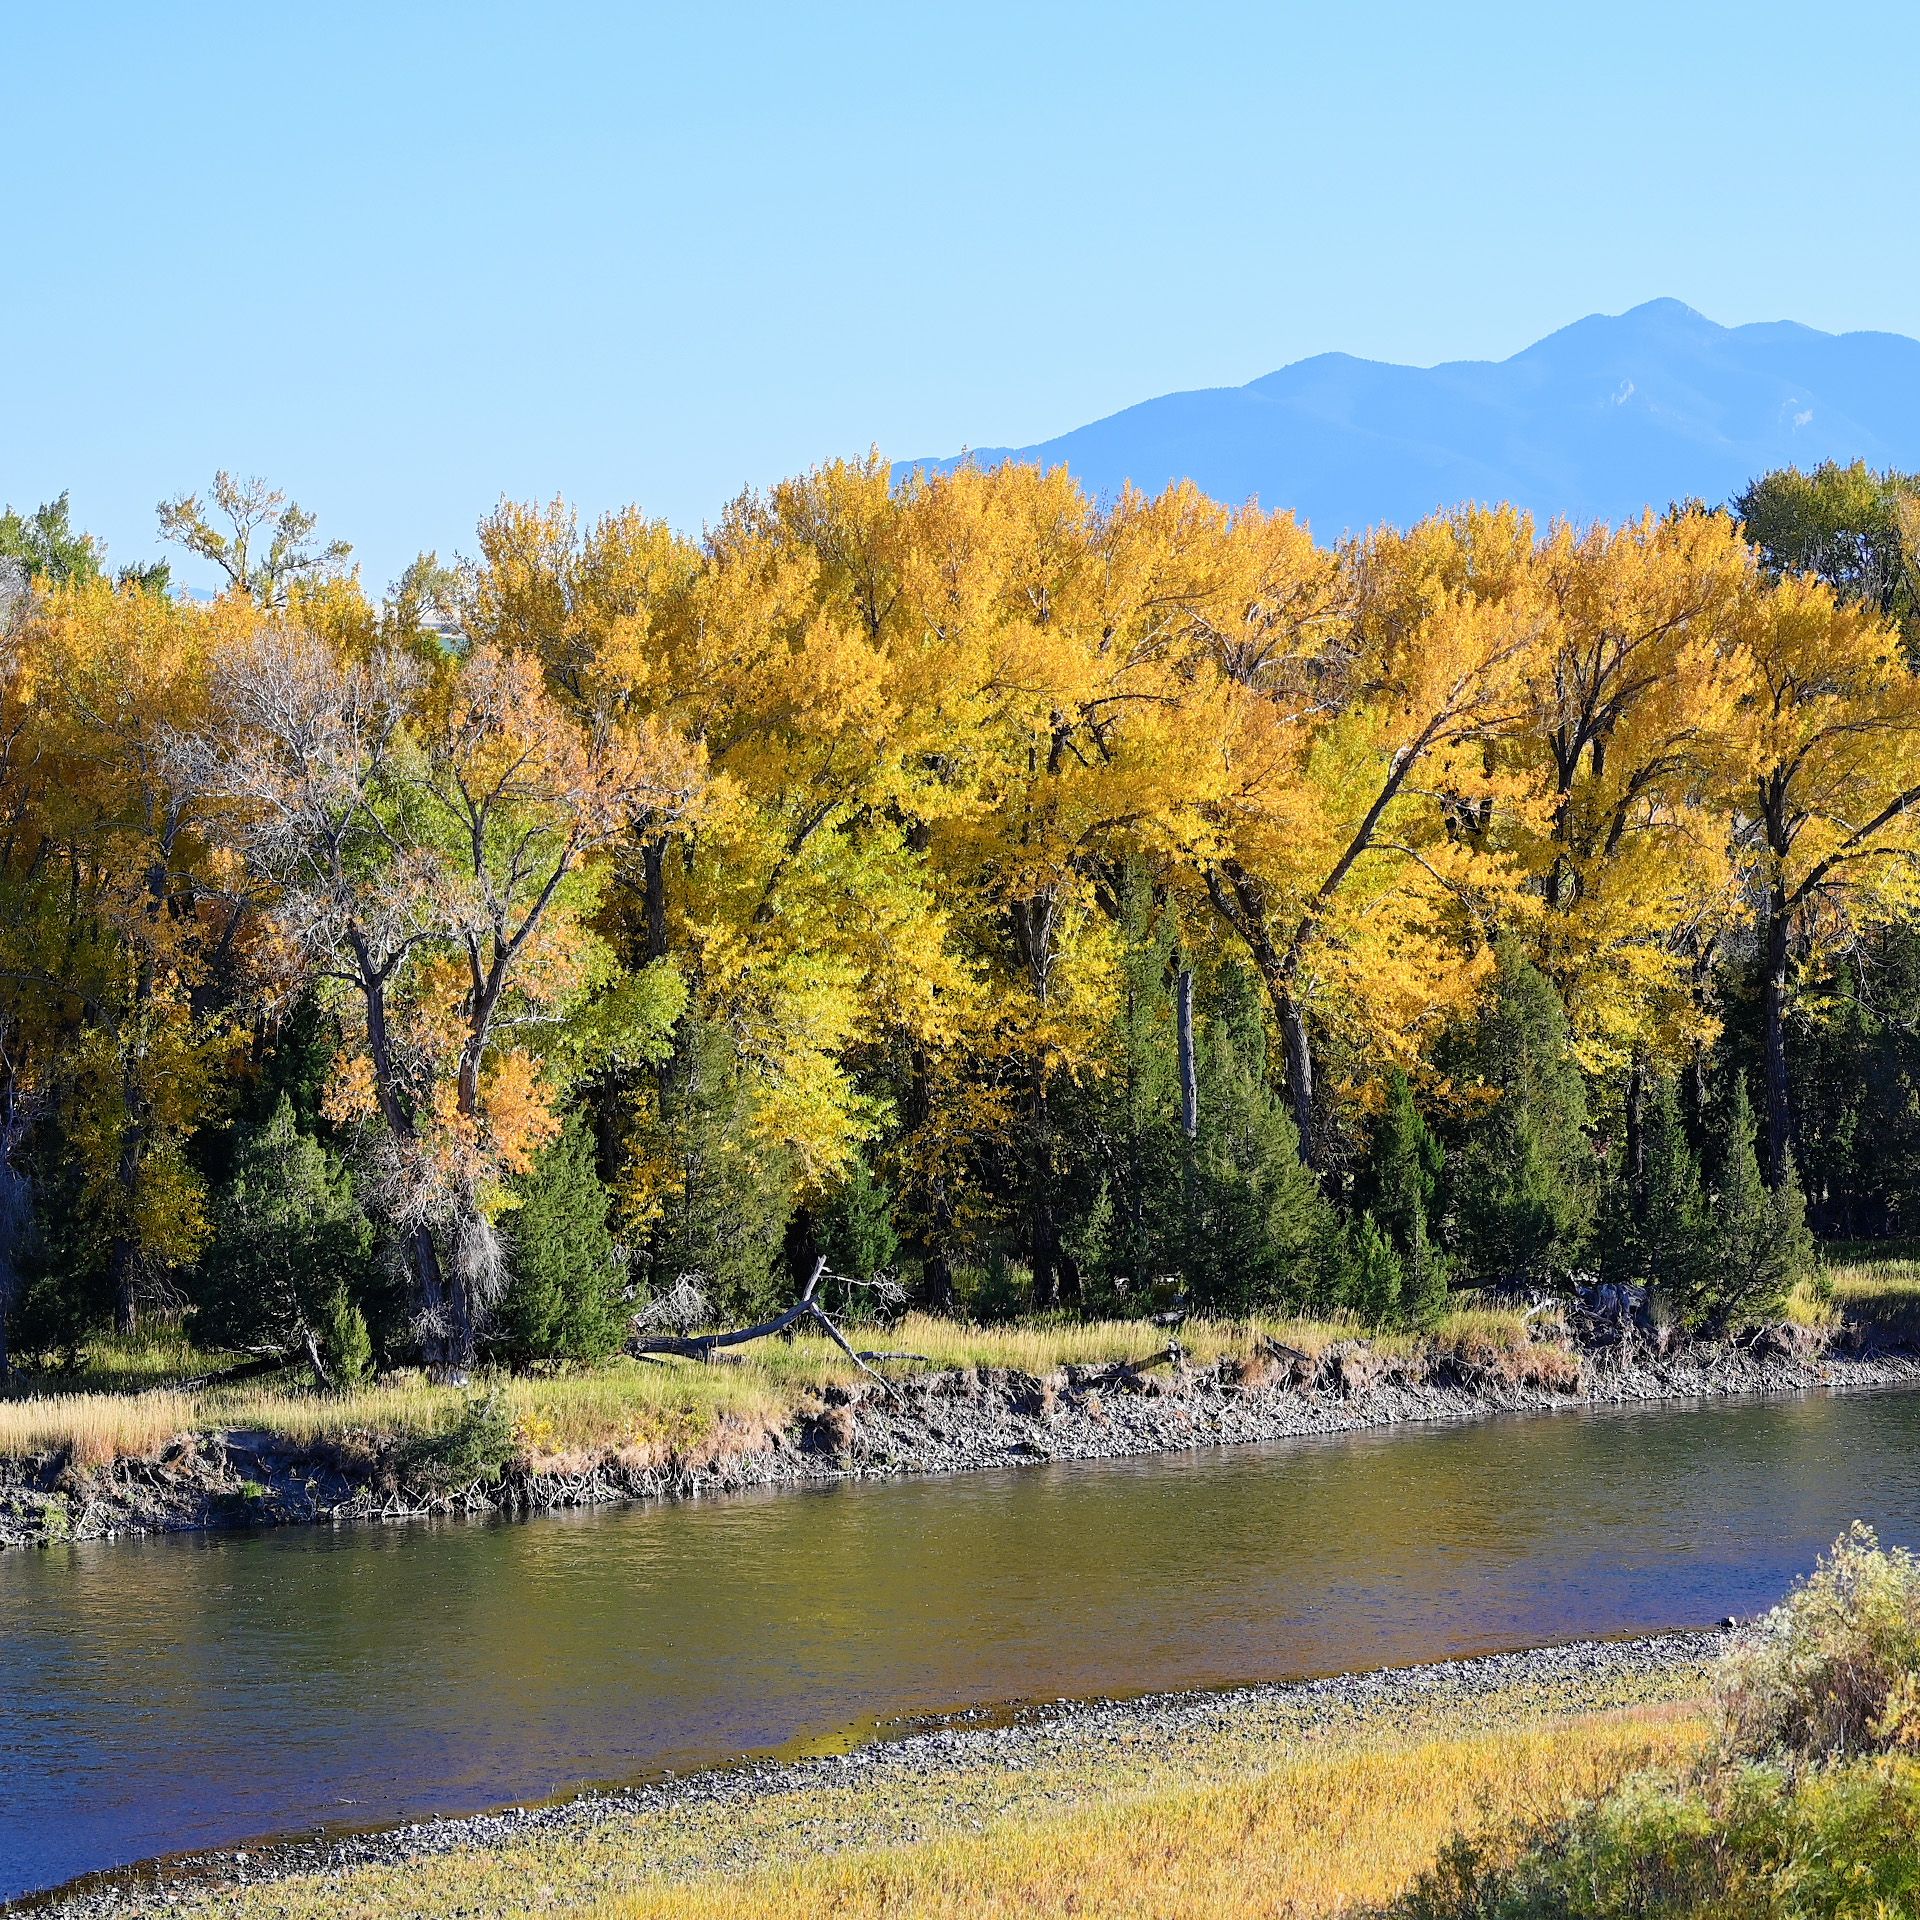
(1598,420)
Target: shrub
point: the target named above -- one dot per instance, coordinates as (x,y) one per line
(1807,1808)
(473,1449)
(1835,1668)
(997,1293)
(1758,1843)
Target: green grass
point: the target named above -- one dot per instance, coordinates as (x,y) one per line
(157,1356)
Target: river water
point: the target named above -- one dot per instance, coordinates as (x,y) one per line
(199,1690)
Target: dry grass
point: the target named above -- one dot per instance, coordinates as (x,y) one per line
(682,1410)
(95,1427)
(653,1411)
(649,1411)
(1322,1837)
(1235,1822)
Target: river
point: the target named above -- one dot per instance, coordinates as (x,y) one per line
(200,1690)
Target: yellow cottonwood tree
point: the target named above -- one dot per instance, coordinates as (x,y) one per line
(129,924)
(1350,881)
(1632,726)
(1830,738)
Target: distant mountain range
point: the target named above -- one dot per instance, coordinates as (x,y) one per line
(1598,421)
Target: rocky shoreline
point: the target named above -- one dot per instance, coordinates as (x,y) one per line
(962,1421)
(969,1758)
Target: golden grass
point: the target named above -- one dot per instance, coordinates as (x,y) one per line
(652,1409)
(1248,1816)
(1322,1837)
(690,1412)
(1875,1282)
(95,1427)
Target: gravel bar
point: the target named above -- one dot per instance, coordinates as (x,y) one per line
(961,1763)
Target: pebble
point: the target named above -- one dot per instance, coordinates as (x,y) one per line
(1013,1735)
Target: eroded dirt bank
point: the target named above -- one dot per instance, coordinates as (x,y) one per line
(942,1423)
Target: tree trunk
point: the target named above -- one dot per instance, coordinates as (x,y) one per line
(1773,1024)
(16,1216)
(931,1235)
(121,1266)
(653,863)
(1696,1101)
(430,1292)
(936,1281)
(1299,1057)
(1189,1073)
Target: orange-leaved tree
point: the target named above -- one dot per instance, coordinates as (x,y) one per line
(435,838)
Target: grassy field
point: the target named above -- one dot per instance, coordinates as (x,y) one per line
(125,1399)
(124,1402)
(1270,1811)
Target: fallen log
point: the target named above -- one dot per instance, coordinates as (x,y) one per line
(703,1346)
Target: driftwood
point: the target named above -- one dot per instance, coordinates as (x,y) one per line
(703,1346)
(264,1361)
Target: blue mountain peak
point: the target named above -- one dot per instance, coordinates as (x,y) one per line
(1597,421)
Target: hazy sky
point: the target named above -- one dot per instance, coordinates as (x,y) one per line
(403,258)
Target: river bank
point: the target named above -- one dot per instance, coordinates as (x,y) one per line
(1418,1748)
(957,1419)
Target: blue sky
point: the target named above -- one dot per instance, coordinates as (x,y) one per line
(405,258)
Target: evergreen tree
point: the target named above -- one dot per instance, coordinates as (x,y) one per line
(564,1298)
(1119,1127)
(721,1198)
(1374,1277)
(1525,1196)
(1400,1187)
(857,1235)
(291,1253)
(1759,1242)
(1263,1236)
(1666,1243)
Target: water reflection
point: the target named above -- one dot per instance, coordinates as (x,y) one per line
(185,1692)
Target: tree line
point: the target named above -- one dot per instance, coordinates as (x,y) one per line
(1031,897)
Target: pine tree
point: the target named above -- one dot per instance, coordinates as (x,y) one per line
(1262,1234)
(1124,1191)
(1760,1242)
(291,1254)
(1400,1186)
(1668,1247)
(565,1290)
(1375,1276)
(720,1197)
(857,1233)
(1525,1191)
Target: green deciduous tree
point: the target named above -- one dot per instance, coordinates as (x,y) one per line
(1850,525)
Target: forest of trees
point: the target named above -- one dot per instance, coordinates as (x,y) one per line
(1030,898)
